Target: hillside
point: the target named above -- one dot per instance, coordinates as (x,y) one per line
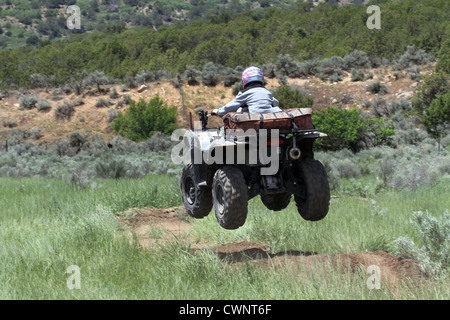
(91,119)
(24,21)
(304,31)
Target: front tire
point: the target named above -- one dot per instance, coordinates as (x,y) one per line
(230,197)
(197,200)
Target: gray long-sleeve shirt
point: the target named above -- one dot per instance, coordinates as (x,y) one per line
(258,100)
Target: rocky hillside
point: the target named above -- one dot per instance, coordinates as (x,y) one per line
(93,112)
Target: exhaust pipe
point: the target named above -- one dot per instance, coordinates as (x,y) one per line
(294,153)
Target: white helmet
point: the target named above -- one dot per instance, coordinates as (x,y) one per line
(252,74)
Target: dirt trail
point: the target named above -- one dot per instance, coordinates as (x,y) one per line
(156,227)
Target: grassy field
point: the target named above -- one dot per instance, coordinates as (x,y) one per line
(47,225)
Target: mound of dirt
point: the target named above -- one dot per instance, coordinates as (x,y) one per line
(154,227)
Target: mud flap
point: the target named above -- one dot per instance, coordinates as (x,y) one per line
(200,169)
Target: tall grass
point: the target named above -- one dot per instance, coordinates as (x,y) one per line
(47,225)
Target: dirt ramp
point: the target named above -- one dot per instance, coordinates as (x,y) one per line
(246,250)
(392,269)
(153,226)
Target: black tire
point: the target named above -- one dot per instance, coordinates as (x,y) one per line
(230,197)
(196,200)
(314,204)
(276,202)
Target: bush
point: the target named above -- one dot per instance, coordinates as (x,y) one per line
(433,256)
(290,98)
(377,87)
(357,75)
(379,107)
(308,68)
(345,128)
(77,139)
(433,85)
(9,123)
(112,115)
(443,64)
(356,59)
(437,117)
(38,81)
(64,112)
(335,77)
(142,119)
(27,102)
(191,75)
(411,176)
(126,98)
(331,68)
(36,133)
(237,87)
(97,78)
(413,56)
(101,103)
(113,94)
(334,62)
(43,105)
(109,167)
(285,66)
(350,129)
(269,70)
(210,74)
(145,76)
(347,169)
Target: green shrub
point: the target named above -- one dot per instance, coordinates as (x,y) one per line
(191,75)
(290,98)
(97,78)
(237,87)
(443,64)
(377,87)
(358,75)
(101,103)
(437,117)
(142,119)
(433,85)
(285,66)
(433,256)
(43,105)
(109,167)
(9,123)
(356,59)
(350,129)
(113,94)
(27,102)
(210,75)
(413,56)
(64,112)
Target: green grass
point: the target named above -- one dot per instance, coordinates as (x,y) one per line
(47,225)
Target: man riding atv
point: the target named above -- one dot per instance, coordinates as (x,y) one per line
(260,150)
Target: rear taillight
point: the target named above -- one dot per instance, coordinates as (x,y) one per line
(275,143)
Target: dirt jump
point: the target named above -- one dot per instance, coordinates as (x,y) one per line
(154,228)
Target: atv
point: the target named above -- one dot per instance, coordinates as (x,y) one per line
(227,167)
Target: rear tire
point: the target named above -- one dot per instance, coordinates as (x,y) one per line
(276,202)
(315,202)
(197,200)
(230,197)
